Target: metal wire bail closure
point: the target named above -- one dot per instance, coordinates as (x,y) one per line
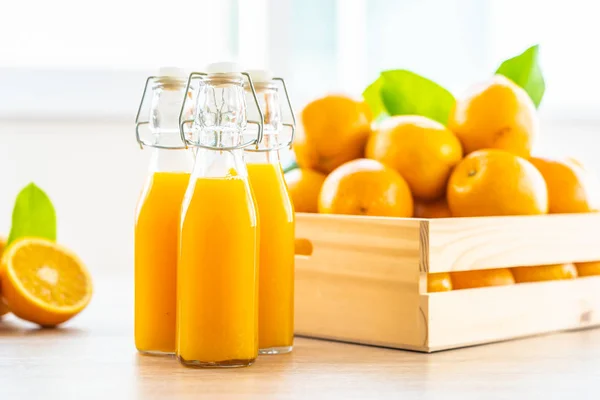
(139,123)
(183,122)
(292,126)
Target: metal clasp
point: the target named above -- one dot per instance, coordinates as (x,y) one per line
(183,122)
(292,126)
(138,123)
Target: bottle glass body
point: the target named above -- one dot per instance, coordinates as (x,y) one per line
(157,227)
(217,282)
(277,224)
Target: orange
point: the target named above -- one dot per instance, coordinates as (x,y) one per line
(43,282)
(544,273)
(495,182)
(481,278)
(439,282)
(432,209)
(304,186)
(366,187)
(495,114)
(3,307)
(423,151)
(571,189)
(333,130)
(588,268)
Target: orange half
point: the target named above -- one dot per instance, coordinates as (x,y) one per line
(3,307)
(43,282)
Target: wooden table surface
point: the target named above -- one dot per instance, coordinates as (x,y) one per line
(93,357)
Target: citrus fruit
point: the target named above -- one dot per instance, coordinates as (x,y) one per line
(333,130)
(496,182)
(432,209)
(588,268)
(304,186)
(544,273)
(439,282)
(3,307)
(481,278)
(571,189)
(44,283)
(423,151)
(366,187)
(495,114)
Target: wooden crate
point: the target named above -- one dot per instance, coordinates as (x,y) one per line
(364,279)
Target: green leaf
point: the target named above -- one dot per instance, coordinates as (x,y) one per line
(406,93)
(372,96)
(525,71)
(33,215)
(292,165)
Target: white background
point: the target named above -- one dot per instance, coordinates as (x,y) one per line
(71,73)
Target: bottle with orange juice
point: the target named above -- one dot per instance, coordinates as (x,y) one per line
(217,278)
(276,261)
(157,215)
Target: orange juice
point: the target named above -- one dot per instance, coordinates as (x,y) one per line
(276,261)
(217,299)
(156,230)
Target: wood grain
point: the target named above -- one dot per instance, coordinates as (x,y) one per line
(362,281)
(365,279)
(459,244)
(93,357)
(467,317)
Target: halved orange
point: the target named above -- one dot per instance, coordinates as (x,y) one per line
(3,307)
(43,282)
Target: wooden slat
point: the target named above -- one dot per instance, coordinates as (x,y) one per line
(457,244)
(362,279)
(361,283)
(467,317)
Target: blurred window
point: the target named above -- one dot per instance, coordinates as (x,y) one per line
(68,58)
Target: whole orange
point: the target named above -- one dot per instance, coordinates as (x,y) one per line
(333,130)
(423,151)
(495,114)
(439,282)
(366,187)
(432,209)
(571,189)
(481,278)
(544,273)
(495,182)
(588,268)
(304,186)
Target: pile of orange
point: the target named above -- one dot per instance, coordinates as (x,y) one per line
(480,164)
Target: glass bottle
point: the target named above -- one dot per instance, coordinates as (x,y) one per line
(217,281)
(277,223)
(157,214)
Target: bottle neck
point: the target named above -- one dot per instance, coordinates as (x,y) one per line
(220,115)
(268,99)
(164,113)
